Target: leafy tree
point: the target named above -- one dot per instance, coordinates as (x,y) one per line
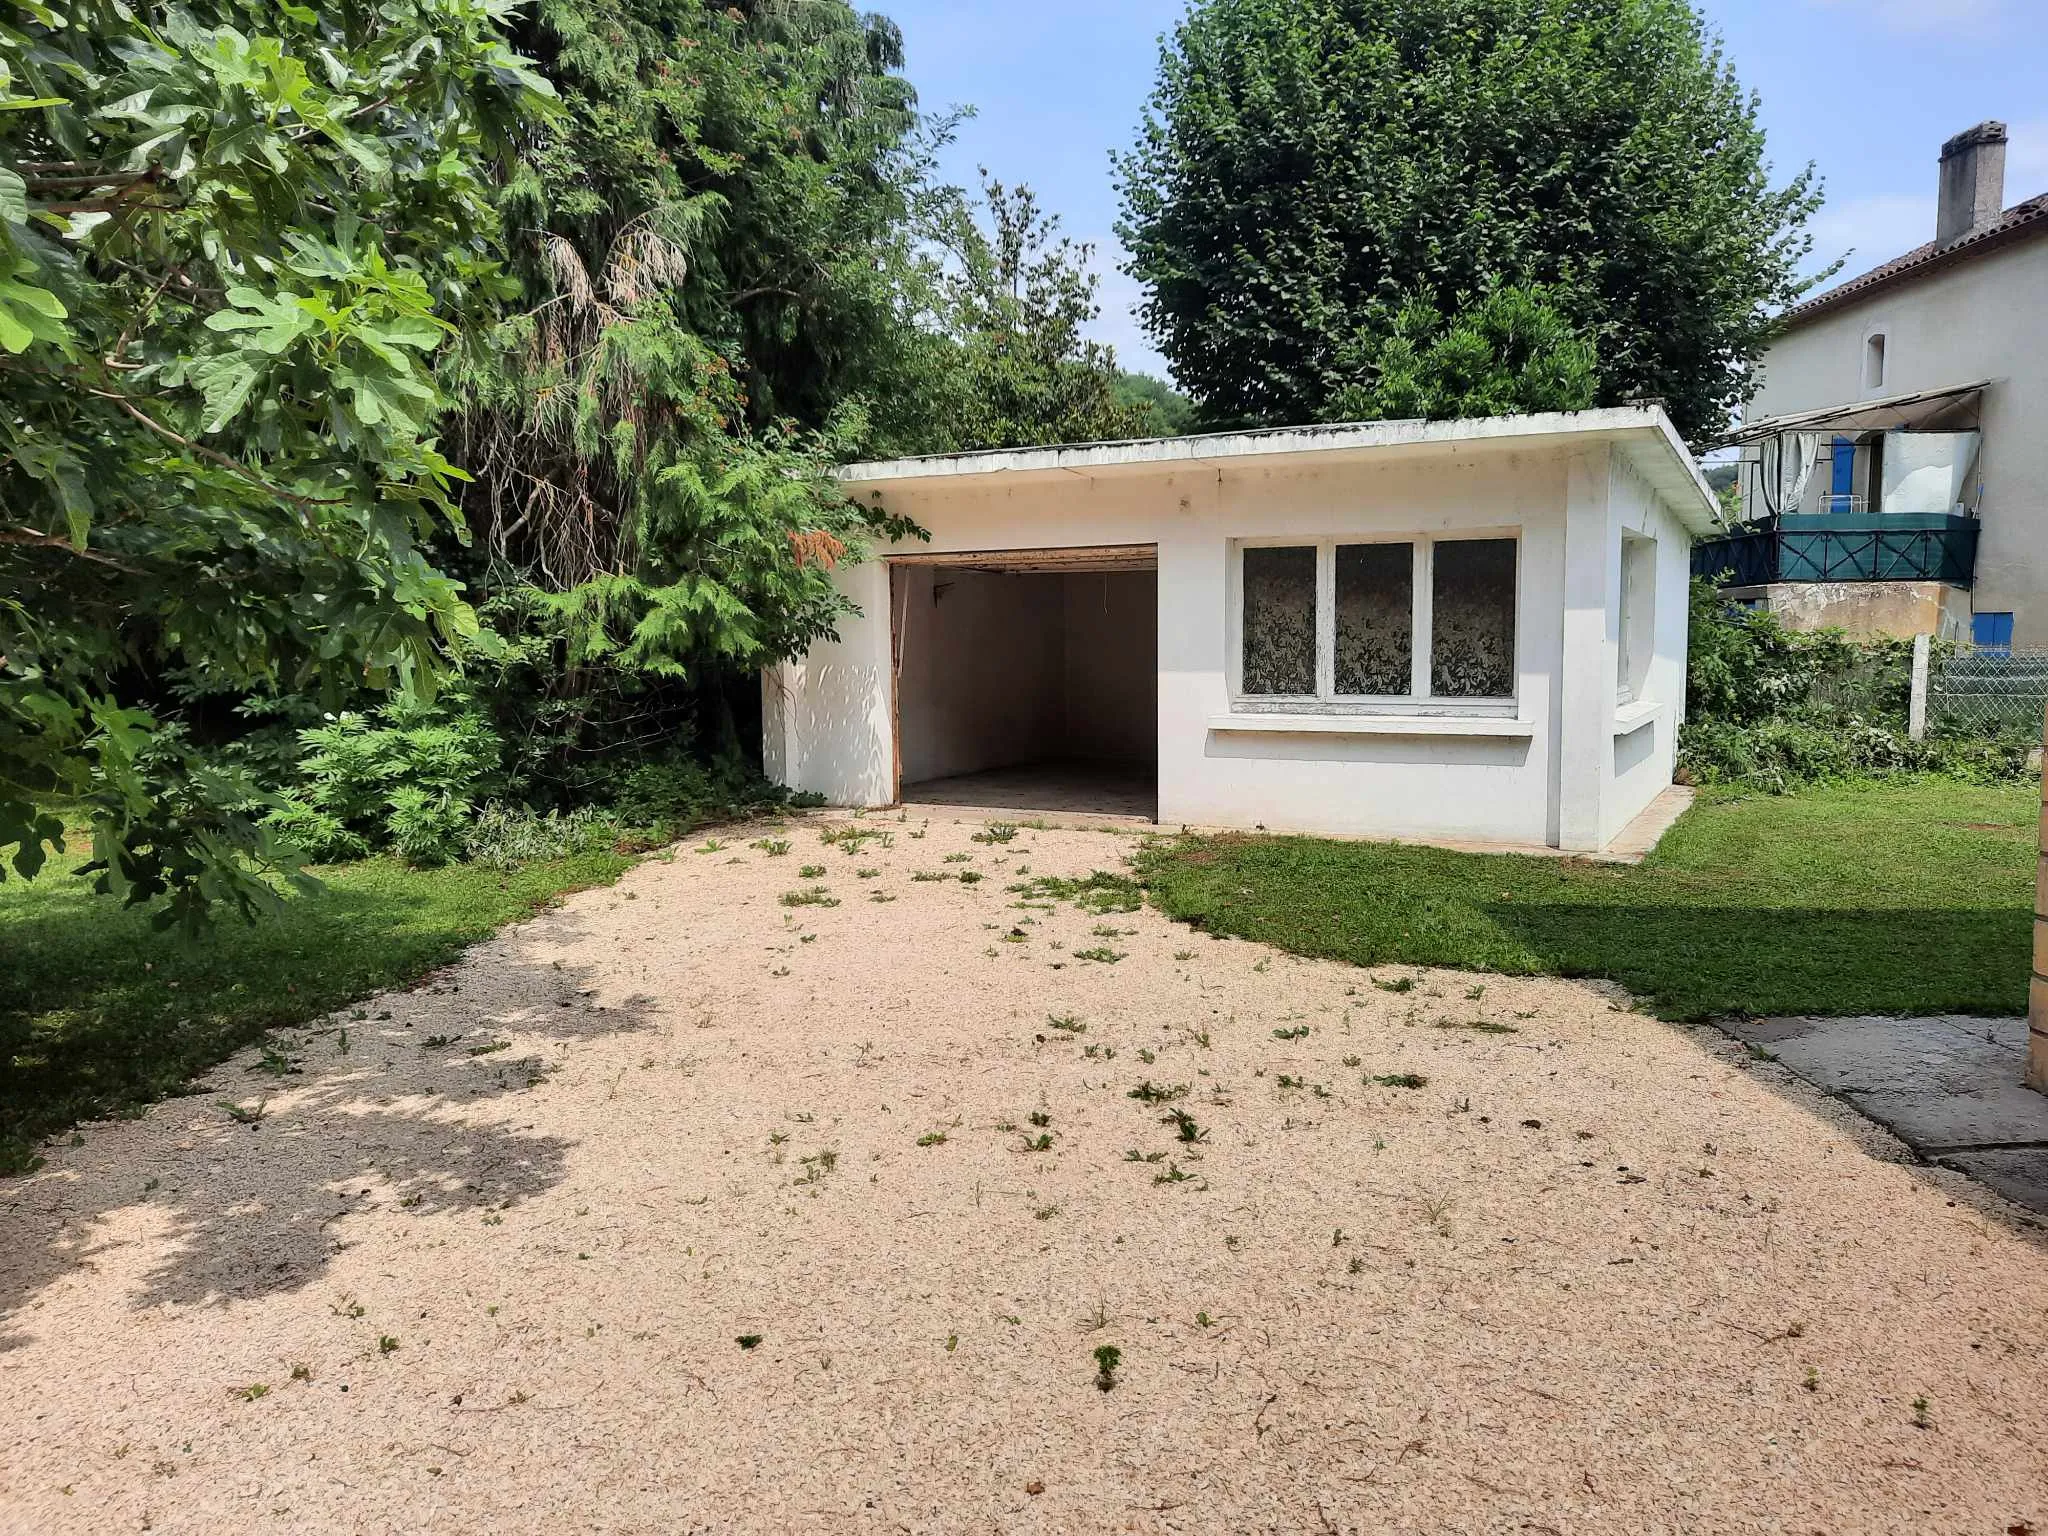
(1013,300)
(232,236)
(1510,351)
(1307,166)
(1168,412)
(710,244)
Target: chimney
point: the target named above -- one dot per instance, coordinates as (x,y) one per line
(1972,182)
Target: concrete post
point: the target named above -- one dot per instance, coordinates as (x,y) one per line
(1916,715)
(2037,996)
(1585,722)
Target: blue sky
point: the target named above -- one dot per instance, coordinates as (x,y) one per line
(1867,89)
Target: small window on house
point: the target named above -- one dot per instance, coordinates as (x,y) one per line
(1340,622)
(1873,361)
(1472,628)
(1992,632)
(1637,620)
(1280,621)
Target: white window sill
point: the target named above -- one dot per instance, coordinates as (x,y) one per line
(1377,725)
(1630,718)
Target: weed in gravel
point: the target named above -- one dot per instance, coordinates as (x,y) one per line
(881,896)
(817,1166)
(811,872)
(712,845)
(1812,1382)
(1100,893)
(491,1049)
(1104,956)
(1039,1118)
(1107,1358)
(250,1393)
(1183,954)
(1184,1126)
(810,896)
(1039,1143)
(970,877)
(932,1139)
(1474,993)
(1288,1080)
(277,1063)
(386,1343)
(1922,1419)
(1175,1174)
(1355,1267)
(436,1042)
(1135,1156)
(1299,1032)
(1436,1210)
(241,1114)
(1398,984)
(996,832)
(1352,1061)
(958,858)
(1149,1092)
(1099,1052)
(302,1372)
(1478,1026)
(927,876)
(1066,1024)
(774,847)
(866,874)
(1396,1080)
(1146,1056)
(748,1340)
(1046,1212)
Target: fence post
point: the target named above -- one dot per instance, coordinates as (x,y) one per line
(1916,714)
(2037,994)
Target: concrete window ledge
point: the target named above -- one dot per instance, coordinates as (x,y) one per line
(1377,725)
(1631,718)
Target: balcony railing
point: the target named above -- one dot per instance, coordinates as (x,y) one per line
(1895,546)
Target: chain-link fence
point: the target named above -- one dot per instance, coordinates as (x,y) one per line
(1988,693)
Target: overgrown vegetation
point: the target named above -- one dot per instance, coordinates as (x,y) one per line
(351,353)
(1772,708)
(1903,897)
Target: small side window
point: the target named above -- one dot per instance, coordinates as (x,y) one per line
(1873,361)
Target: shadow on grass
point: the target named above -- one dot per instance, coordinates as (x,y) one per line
(392,1121)
(100,1015)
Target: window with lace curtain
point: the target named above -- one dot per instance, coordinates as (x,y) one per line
(1359,623)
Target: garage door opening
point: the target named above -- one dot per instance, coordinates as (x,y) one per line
(1028,680)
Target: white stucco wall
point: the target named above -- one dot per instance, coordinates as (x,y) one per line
(1562,778)
(1984,318)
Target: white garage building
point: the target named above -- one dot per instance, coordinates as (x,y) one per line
(1471,631)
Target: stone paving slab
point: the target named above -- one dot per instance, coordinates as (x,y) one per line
(1948,1086)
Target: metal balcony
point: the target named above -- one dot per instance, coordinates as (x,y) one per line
(1843,546)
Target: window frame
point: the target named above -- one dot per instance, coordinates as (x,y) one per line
(1635,631)
(1419,700)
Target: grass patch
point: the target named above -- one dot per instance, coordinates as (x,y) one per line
(100,1015)
(1900,897)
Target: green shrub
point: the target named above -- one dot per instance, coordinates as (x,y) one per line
(1773,709)
(405,777)
(668,798)
(508,836)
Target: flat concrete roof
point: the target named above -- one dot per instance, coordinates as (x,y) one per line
(1644,433)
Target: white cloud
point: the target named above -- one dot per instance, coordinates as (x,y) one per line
(1924,15)
(1869,231)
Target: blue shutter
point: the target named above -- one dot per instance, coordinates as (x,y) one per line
(1991,631)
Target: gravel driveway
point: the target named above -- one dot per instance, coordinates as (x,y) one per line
(685,1209)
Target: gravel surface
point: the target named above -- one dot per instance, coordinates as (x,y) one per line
(494,1261)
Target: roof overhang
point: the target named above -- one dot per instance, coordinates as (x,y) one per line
(1953,409)
(1643,434)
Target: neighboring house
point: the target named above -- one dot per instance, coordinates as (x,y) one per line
(1468,630)
(1895,464)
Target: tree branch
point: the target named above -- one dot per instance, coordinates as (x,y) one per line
(212,455)
(43,540)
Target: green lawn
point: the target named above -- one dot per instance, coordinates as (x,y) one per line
(99,1015)
(1900,897)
